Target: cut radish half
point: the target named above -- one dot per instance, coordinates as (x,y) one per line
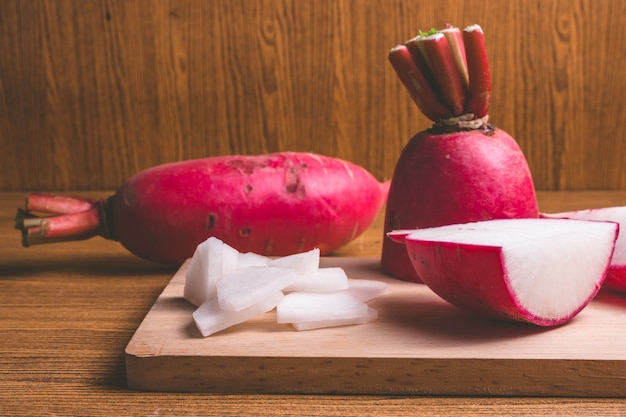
(616,276)
(542,271)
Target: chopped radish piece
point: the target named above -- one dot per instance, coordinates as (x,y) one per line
(230,259)
(305,262)
(323,280)
(311,325)
(366,289)
(251,259)
(247,286)
(231,287)
(211,260)
(298,307)
(543,271)
(210,318)
(616,277)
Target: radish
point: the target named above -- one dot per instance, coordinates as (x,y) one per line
(462,169)
(322,280)
(276,204)
(229,288)
(541,271)
(616,276)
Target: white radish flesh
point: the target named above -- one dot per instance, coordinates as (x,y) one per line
(611,214)
(323,280)
(251,259)
(247,286)
(311,325)
(366,289)
(305,262)
(210,318)
(300,307)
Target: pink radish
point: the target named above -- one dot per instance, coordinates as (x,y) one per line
(616,276)
(462,169)
(541,271)
(276,204)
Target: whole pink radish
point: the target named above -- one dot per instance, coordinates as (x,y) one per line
(275,204)
(462,169)
(541,271)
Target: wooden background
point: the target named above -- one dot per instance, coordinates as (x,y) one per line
(92,91)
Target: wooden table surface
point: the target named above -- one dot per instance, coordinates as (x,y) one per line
(67,312)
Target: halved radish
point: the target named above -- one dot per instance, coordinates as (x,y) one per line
(616,276)
(542,271)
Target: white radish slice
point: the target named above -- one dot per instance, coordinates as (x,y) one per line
(205,268)
(323,280)
(366,289)
(305,262)
(371,316)
(210,318)
(210,261)
(230,259)
(247,286)
(543,271)
(248,259)
(298,307)
(195,279)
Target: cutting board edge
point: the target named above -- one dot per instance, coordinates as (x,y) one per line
(398,376)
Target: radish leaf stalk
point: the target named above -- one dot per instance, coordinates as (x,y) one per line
(462,169)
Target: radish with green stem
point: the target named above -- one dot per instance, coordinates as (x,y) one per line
(462,169)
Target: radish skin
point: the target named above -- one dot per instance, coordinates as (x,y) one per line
(452,178)
(273,205)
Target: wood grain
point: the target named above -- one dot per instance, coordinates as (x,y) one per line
(92,92)
(68,311)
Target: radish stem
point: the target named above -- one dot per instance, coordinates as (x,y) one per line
(478,70)
(455,41)
(444,69)
(60,228)
(417,85)
(57,204)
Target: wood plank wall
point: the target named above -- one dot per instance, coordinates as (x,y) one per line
(92,91)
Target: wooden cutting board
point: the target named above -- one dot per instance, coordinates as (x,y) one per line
(420,345)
